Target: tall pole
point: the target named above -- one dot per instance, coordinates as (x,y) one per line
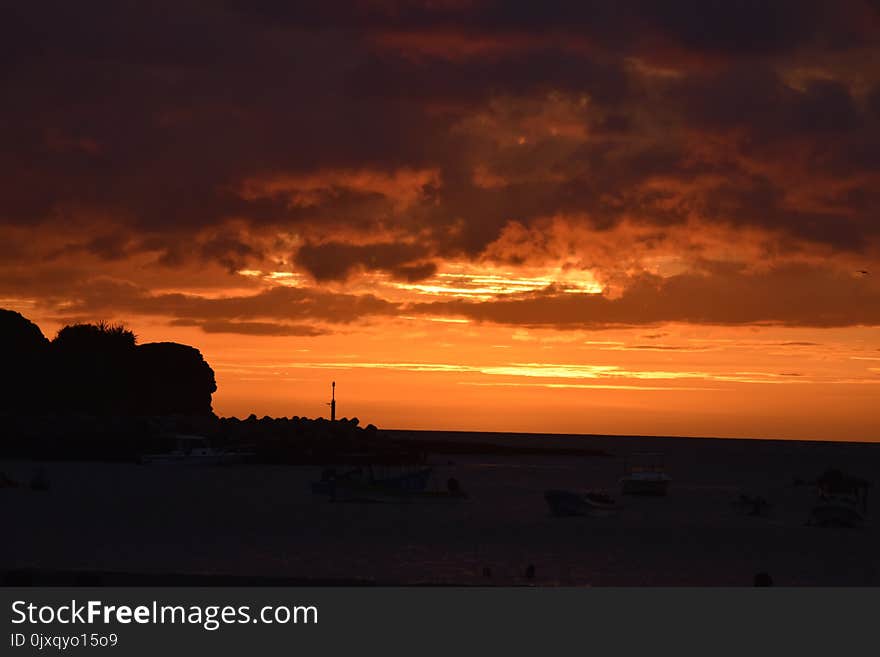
(333,403)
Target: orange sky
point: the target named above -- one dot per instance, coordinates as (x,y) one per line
(430,372)
(634,218)
(688,382)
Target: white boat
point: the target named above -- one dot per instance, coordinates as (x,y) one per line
(644,474)
(193,450)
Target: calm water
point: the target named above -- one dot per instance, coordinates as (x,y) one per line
(263,520)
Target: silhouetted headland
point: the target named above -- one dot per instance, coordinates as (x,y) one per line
(99,370)
(94,393)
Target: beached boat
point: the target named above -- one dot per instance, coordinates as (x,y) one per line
(373,484)
(841,501)
(193,450)
(570,503)
(756,505)
(644,474)
(837,511)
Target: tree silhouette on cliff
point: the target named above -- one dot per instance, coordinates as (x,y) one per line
(99,369)
(95,369)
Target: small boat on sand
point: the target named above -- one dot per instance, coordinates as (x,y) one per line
(372,484)
(842,501)
(569,503)
(837,511)
(644,474)
(756,505)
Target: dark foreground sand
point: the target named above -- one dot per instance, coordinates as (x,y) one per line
(263,521)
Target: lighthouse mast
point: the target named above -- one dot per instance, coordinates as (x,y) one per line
(333,402)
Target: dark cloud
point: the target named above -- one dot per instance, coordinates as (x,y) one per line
(746,27)
(873,100)
(757,201)
(474,81)
(713,26)
(791,296)
(338,260)
(230,250)
(756,98)
(252,328)
(280,303)
(794,295)
(144,123)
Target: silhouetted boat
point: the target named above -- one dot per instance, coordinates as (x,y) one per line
(753,505)
(838,511)
(842,501)
(383,485)
(644,474)
(194,450)
(569,503)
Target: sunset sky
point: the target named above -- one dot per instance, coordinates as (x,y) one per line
(636,217)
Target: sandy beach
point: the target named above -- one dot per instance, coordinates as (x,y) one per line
(259,520)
